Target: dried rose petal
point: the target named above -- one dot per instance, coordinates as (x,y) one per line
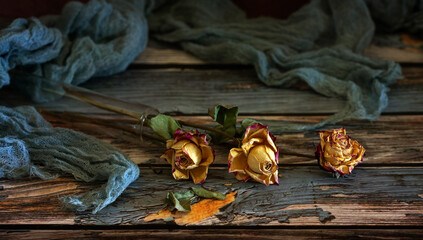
(257,158)
(190,155)
(337,152)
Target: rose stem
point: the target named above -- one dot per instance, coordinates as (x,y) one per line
(80,97)
(190,124)
(108,123)
(87,119)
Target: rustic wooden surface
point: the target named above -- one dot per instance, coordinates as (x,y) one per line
(376,196)
(383,198)
(185,91)
(206,234)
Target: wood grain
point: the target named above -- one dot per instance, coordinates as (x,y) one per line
(206,234)
(192,91)
(390,140)
(371,196)
(386,190)
(166,54)
(406,55)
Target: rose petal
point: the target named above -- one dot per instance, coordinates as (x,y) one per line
(237,161)
(277,155)
(204,139)
(261,178)
(260,133)
(184,163)
(264,134)
(179,173)
(243,177)
(253,128)
(343,170)
(271,154)
(251,143)
(168,155)
(180,144)
(275,178)
(193,152)
(207,155)
(271,142)
(259,161)
(177,133)
(169,143)
(196,139)
(199,174)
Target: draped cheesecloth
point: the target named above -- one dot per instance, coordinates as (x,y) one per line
(321,44)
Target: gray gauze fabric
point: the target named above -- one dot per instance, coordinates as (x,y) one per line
(30,146)
(96,39)
(321,45)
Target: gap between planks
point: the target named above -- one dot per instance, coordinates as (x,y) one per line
(213,233)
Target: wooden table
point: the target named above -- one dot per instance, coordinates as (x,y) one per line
(383,198)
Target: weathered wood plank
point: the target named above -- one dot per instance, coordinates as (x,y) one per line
(382,196)
(193,91)
(390,140)
(235,234)
(166,54)
(406,55)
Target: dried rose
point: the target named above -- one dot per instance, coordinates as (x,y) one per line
(190,155)
(257,158)
(337,152)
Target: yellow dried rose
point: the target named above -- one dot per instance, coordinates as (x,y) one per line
(190,155)
(337,152)
(257,158)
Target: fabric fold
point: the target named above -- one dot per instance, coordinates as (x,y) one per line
(30,146)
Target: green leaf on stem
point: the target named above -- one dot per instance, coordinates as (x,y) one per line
(224,114)
(204,193)
(164,125)
(218,138)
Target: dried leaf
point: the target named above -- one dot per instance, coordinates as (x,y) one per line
(164,125)
(218,138)
(204,193)
(180,201)
(224,114)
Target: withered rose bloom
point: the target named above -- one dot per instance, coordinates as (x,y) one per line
(337,152)
(257,158)
(190,155)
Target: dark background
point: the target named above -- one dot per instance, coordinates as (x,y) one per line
(253,8)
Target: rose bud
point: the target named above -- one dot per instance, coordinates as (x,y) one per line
(337,152)
(190,155)
(257,158)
